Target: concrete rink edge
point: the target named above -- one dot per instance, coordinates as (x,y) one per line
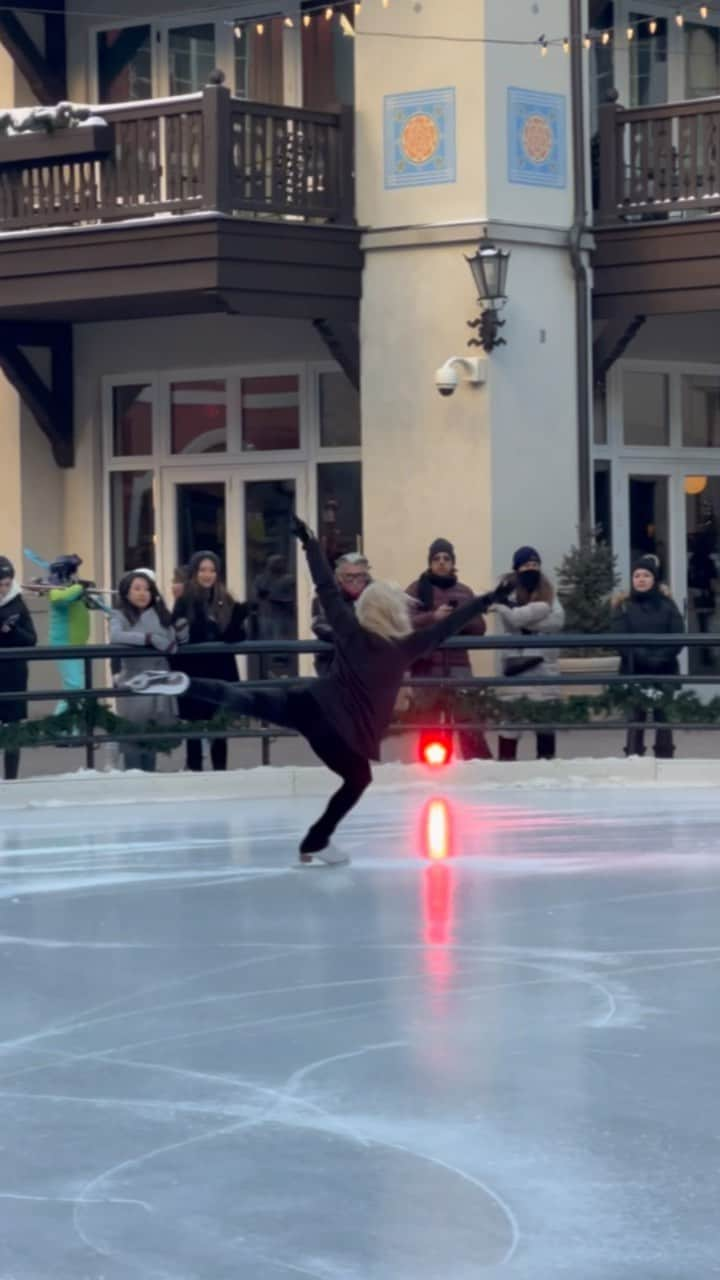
(89,787)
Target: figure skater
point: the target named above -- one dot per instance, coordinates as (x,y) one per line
(342,715)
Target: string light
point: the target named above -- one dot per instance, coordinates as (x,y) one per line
(306,19)
(289,22)
(703,11)
(652,26)
(260,28)
(238,31)
(358,8)
(631,33)
(346,26)
(679,20)
(543,46)
(566,45)
(386,4)
(605,37)
(329,13)
(588,42)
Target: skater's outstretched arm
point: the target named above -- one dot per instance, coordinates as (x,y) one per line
(340,615)
(423,642)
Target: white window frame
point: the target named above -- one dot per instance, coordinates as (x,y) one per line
(223,21)
(675,44)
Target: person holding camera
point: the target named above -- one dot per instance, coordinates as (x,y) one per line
(532,609)
(17,631)
(437,593)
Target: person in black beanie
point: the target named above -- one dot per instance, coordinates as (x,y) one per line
(437,592)
(17,631)
(343,715)
(648,610)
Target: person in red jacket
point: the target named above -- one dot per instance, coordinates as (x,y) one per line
(437,593)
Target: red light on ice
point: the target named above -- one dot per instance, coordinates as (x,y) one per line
(436,753)
(437,831)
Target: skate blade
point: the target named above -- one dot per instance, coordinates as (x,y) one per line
(323,859)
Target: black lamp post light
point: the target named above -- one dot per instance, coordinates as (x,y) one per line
(489,266)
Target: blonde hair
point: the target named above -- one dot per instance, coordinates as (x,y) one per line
(384,609)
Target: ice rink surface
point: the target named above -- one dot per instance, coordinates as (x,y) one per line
(488,1050)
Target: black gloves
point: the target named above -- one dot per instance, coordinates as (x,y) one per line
(301,531)
(504,589)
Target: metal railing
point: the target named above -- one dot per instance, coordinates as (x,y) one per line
(85,731)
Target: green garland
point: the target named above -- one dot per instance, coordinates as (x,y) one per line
(482,705)
(88,716)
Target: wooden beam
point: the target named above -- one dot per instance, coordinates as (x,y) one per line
(52,406)
(612,343)
(47,86)
(343,343)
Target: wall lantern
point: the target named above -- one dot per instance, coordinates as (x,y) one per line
(489,266)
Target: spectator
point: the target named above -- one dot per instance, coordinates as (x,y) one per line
(17,631)
(274,591)
(352,574)
(142,619)
(649,609)
(532,609)
(436,593)
(179,581)
(212,616)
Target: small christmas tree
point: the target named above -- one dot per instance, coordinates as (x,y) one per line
(586,580)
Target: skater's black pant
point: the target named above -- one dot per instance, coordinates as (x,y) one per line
(12,765)
(544,747)
(635,742)
(297,709)
(194,753)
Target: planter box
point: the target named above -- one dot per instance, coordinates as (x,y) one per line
(608,664)
(81,142)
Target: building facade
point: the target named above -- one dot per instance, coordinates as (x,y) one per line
(227,295)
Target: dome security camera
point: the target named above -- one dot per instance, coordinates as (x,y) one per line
(448,376)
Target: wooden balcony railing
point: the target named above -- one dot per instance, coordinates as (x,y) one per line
(201,152)
(655,161)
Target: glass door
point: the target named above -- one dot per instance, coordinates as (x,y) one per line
(647,519)
(702,548)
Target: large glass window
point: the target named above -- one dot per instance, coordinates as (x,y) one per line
(201,519)
(339,412)
(649,520)
(258,53)
(339,507)
(702,515)
(198,416)
(646,419)
(191,57)
(701,412)
(132,521)
(124,61)
(270,412)
(648,62)
(270,569)
(132,420)
(603,501)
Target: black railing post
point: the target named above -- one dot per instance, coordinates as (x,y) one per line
(217,145)
(610,198)
(346,166)
(265,748)
(88,715)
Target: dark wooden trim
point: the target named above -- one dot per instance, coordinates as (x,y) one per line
(343,343)
(612,343)
(52,406)
(217,122)
(44,81)
(83,140)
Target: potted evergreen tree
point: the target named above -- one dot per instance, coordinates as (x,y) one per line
(586,580)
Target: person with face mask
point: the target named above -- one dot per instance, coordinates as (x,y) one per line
(532,609)
(437,592)
(649,609)
(352,574)
(17,631)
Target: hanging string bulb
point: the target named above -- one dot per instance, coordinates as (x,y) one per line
(605,37)
(386,4)
(289,22)
(679,20)
(238,31)
(566,45)
(260,28)
(306,19)
(704,12)
(630,33)
(358,8)
(346,26)
(588,41)
(543,46)
(652,26)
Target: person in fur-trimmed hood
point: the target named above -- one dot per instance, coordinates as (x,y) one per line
(437,592)
(17,631)
(649,609)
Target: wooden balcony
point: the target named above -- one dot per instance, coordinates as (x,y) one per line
(657,197)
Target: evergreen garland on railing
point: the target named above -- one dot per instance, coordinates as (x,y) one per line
(85,717)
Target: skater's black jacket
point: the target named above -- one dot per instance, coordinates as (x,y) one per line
(357,697)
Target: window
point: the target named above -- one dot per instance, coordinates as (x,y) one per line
(648,62)
(701,412)
(328,63)
(132,420)
(339,412)
(124,62)
(702,60)
(198,417)
(259,60)
(270,412)
(201,519)
(191,57)
(602,72)
(603,510)
(646,419)
(132,521)
(339,507)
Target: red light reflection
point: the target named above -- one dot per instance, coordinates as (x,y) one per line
(438,890)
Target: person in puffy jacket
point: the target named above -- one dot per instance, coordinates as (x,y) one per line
(17,631)
(648,610)
(142,620)
(352,574)
(436,593)
(211,616)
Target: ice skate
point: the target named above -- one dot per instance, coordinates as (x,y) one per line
(330,856)
(171,683)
